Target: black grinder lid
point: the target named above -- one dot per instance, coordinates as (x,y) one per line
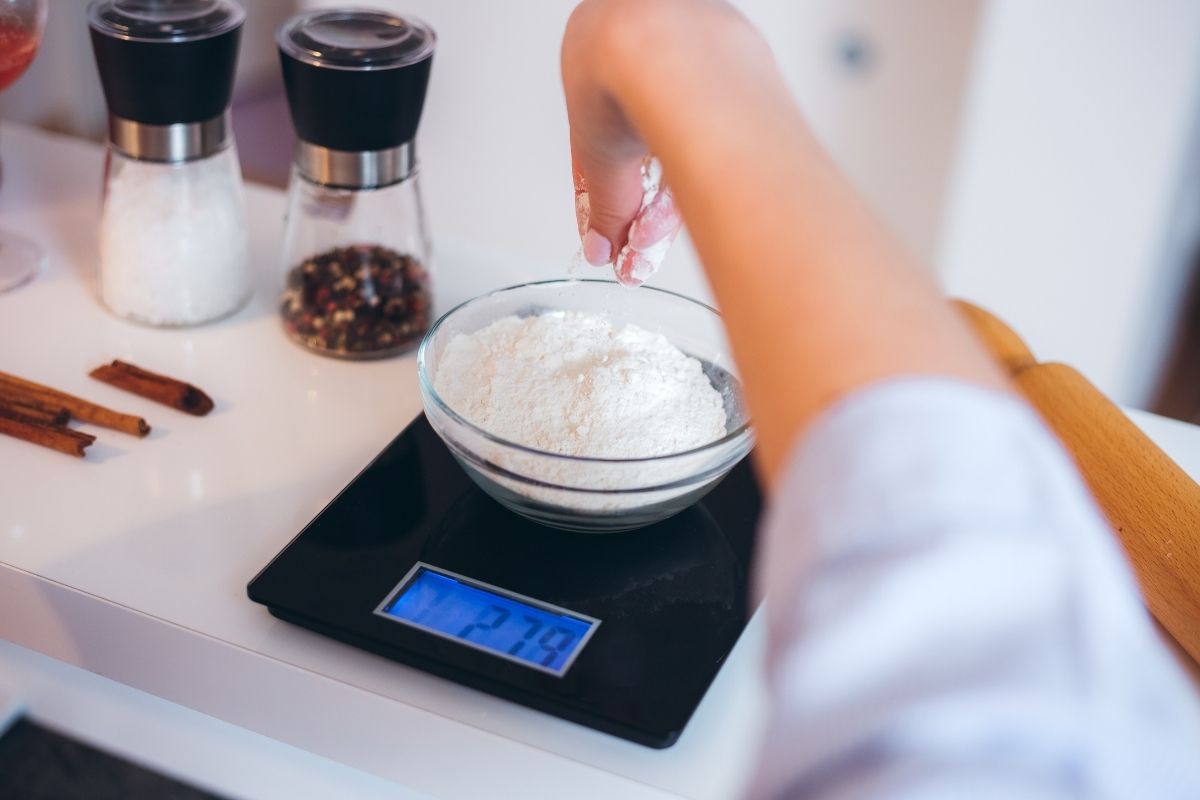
(166,61)
(356,78)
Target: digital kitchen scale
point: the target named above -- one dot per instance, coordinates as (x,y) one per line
(622,632)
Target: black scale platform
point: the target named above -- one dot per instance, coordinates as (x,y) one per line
(670,599)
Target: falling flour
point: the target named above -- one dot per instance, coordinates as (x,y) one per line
(573,384)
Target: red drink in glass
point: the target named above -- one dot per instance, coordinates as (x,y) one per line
(21,23)
(18,44)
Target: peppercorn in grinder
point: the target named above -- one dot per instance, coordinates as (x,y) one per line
(356,249)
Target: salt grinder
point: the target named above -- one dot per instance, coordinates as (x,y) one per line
(173,244)
(356,252)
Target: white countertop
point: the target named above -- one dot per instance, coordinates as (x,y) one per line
(133,563)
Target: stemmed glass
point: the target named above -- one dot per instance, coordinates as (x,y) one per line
(21,24)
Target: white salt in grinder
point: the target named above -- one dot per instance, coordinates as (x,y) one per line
(173,247)
(356,272)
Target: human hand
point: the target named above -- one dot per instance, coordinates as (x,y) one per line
(625,212)
(832,303)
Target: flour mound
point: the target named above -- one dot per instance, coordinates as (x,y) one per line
(569,382)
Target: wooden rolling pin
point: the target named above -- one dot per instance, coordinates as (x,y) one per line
(1151,503)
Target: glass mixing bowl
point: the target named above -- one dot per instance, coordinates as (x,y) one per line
(591,494)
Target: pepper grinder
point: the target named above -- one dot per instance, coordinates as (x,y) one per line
(356,252)
(173,247)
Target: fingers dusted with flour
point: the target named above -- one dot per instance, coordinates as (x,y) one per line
(652,231)
(608,195)
(641,243)
(625,215)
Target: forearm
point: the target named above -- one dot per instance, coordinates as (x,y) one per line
(818,297)
(972,630)
(947,614)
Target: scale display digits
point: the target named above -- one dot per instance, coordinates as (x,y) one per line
(489,620)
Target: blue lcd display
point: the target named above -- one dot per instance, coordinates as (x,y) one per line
(535,634)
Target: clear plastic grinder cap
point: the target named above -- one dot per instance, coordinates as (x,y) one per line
(164,20)
(356,39)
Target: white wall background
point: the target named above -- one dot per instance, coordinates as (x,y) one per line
(1073,208)
(881,82)
(494,146)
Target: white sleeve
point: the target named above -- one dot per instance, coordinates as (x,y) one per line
(950,616)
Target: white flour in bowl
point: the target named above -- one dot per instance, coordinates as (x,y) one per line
(570,382)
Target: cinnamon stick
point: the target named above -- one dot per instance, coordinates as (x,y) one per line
(63,440)
(18,389)
(159,388)
(36,412)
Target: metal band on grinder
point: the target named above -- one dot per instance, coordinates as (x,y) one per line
(181,141)
(356,170)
